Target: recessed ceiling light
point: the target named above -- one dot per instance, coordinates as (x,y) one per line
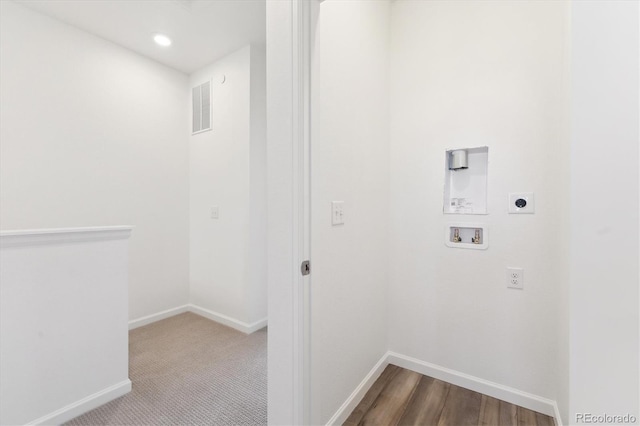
(162,40)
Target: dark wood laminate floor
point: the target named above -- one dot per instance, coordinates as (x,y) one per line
(404,397)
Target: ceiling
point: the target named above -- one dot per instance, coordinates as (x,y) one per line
(202,31)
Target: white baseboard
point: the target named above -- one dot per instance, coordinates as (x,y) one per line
(557,415)
(356,396)
(228,321)
(505,393)
(157,316)
(84,405)
(207,313)
(93,401)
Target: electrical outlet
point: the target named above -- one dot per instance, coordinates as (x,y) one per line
(215,212)
(515,278)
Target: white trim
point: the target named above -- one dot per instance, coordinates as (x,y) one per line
(301,89)
(34,237)
(557,415)
(288,103)
(244,327)
(356,396)
(84,405)
(505,393)
(139,322)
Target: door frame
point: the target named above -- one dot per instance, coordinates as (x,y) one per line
(288,208)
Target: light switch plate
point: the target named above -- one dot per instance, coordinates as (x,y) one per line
(522,203)
(215,212)
(337,213)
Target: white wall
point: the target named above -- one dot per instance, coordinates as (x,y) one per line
(227,170)
(604,210)
(469,74)
(64,342)
(349,162)
(93,134)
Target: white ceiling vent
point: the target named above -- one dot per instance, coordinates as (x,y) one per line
(201,101)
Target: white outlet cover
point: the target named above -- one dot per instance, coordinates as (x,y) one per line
(522,203)
(515,278)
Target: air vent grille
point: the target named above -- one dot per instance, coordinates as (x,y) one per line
(201,101)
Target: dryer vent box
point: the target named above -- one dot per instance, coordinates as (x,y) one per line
(465,186)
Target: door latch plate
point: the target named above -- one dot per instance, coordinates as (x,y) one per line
(305,267)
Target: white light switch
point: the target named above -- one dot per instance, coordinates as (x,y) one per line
(215,212)
(337,213)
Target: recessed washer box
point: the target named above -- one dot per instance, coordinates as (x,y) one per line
(473,236)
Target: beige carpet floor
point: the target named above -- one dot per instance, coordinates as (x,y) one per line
(188,370)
